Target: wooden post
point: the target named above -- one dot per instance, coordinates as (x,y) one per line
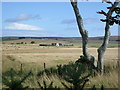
(44,66)
(21,68)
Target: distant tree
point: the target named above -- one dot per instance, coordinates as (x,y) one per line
(22,42)
(110,20)
(21,37)
(32,42)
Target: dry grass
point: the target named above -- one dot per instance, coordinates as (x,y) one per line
(109,80)
(110,77)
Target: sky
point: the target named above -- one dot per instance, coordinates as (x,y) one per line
(52,19)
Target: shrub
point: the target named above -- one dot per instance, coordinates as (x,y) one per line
(77,75)
(32,42)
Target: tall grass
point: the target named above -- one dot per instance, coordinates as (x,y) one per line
(55,75)
(110,77)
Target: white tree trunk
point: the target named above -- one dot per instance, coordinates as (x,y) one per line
(83,32)
(102,48)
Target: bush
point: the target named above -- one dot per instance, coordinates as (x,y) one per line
(45,45)
(32,42)
(77,75)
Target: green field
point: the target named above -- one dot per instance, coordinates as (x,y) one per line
(8,39)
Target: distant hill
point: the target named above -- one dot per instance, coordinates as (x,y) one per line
(112,38)
(76,41)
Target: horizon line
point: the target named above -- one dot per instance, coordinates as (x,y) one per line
(56,36)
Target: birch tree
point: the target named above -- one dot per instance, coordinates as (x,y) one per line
(109,20)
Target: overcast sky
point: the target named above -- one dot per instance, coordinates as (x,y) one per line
(52,19)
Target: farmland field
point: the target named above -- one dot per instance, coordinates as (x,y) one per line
(33,57)
(50,55)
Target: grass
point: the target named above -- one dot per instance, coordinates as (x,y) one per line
(60,61)
(17,66)
(109,79)
(97,45)
(32,57)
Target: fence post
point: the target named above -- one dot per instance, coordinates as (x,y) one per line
(21,68)
(44,66)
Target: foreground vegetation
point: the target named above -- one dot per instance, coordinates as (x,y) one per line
(70,76)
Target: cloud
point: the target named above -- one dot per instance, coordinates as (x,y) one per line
(91,20)
(85,20)
(23,17)
(68,21)
(18,26)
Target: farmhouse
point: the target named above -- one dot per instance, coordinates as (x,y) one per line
(57,44)
(53,44)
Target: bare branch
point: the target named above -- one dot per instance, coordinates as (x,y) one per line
(102,12)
